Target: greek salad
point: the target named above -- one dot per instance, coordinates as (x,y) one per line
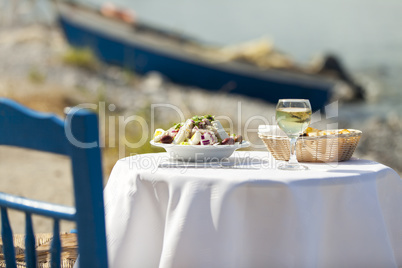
(198,130)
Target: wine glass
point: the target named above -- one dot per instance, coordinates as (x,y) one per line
(293,117)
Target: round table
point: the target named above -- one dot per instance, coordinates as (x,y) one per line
(246,213)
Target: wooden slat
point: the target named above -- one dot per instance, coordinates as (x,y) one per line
(8,244)
(31,129)
(30,252)
(55,250)
(37,207)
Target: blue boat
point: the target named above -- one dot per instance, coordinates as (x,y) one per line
(119,43)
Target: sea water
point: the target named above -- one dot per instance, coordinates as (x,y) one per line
(365,34)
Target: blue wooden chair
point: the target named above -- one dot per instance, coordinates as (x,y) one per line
(78,138)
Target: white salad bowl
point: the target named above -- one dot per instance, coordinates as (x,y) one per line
(200,153)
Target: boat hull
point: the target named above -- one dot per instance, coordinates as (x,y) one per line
(179,68)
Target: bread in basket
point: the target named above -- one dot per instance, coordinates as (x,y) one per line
(326,147)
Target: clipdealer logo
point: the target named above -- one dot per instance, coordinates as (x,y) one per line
(119,140)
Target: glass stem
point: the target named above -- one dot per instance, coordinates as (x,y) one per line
(293,159)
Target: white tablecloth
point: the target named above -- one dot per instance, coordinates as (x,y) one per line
(333,215)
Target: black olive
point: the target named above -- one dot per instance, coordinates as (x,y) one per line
(228,141)
(166,139)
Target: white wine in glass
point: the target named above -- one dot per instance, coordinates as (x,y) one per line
(293,117)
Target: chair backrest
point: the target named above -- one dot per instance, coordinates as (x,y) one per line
(77,137)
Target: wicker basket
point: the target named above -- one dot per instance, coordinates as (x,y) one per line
(328,148)
(42,241)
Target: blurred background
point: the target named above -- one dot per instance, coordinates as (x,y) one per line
(39,68)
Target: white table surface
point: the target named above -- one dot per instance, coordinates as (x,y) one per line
(345,214)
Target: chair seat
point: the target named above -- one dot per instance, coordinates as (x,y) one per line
(68,256)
